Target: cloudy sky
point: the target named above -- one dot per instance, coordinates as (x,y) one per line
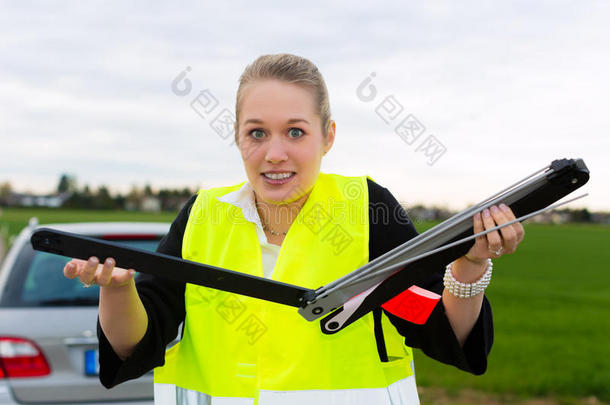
(500,89)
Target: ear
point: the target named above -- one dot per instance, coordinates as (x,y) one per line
(330,138)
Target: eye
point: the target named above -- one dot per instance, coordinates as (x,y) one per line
(256,132)
(298,131)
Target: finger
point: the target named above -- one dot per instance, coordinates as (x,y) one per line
(480,242)
(494,241)
(122,276)
(87,276)
(106,272)
(509,236)
(517,226)
(477,226)
(71,269)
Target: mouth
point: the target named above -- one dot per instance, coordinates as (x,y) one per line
(278,177)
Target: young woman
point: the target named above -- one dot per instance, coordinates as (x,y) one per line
(282,223)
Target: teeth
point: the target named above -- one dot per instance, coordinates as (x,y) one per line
(278,176)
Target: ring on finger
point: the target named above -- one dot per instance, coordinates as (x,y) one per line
(87,285)
(497,252)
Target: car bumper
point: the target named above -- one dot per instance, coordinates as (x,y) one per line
(7,398)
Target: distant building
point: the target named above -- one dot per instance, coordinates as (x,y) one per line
(150,204)
(31,200)
(420,213)
(601,217)
(550,218)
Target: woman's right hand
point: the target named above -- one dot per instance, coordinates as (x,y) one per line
(122,315)
(92,272)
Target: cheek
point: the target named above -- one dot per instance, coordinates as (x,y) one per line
(310,162)
(315,156)
(250,152)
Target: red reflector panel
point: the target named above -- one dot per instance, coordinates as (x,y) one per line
(21,358)
(414,304)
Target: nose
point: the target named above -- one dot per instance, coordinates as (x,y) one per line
(276,150)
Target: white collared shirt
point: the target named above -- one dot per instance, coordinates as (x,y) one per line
(244,199)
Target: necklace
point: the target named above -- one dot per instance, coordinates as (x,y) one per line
(266,228)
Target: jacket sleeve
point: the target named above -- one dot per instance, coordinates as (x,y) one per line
(436,337)
(163,300)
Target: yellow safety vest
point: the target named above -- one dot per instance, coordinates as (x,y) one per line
(253,351)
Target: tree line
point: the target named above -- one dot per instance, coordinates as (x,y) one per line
(145,198)
(73,196)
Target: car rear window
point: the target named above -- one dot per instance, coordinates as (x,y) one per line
(37,279)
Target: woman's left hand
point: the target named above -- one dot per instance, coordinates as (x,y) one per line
(463,313)
(495,244)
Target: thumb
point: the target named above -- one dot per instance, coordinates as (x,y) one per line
(120,278)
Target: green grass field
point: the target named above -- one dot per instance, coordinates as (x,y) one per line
(551,305)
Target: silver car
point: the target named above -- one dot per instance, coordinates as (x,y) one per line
(48,339)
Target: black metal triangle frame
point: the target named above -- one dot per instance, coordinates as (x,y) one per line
(382,278)
(169,267)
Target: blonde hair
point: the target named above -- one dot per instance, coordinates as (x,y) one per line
(290,69)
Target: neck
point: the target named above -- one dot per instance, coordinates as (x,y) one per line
(279,217)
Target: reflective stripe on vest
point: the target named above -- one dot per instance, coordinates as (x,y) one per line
(401,392)
(237,346)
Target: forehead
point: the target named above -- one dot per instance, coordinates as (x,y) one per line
(272,99)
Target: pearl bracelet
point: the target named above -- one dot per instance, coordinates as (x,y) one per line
(467,290)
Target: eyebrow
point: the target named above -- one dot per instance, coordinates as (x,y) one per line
(290,121)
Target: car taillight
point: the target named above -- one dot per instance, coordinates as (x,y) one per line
(21,358)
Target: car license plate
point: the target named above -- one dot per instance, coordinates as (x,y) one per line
(92,364)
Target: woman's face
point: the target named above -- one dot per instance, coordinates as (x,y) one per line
(281,141)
